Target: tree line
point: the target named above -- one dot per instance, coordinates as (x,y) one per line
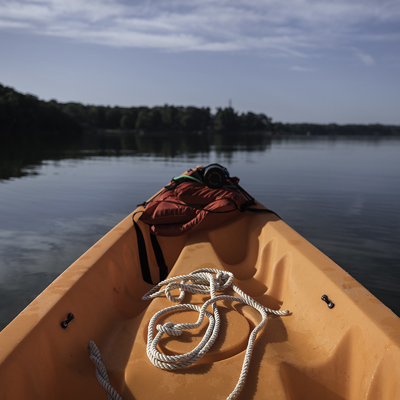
(335,129)
(166,118)
(21,113)
(26,113)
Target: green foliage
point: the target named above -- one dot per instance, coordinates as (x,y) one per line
(77,112)
(335,129)
(129,118)
(167,118)
(170,117)
(226,119)
(26,113)
(255,122)
(149,119)
(195,119)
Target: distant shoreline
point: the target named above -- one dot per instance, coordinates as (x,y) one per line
(300,130)
(26,114)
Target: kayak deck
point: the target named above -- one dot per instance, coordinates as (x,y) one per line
(350,351)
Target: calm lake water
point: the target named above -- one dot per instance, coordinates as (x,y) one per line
(342,194)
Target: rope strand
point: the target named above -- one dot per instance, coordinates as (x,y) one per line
(101,372)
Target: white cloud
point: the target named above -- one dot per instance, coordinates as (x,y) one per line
(4,24)
(302,69)
(295,28)
(366,59)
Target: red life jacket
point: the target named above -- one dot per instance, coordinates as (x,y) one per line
(187,205)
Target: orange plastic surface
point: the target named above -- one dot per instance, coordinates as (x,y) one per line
(351,351)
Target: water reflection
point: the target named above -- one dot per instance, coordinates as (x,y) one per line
(22,156)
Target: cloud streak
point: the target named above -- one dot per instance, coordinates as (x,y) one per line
(292,28)
(302,69)
(366,59)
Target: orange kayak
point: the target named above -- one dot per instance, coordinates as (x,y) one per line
(336,341)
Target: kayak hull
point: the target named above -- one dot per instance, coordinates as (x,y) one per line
(349,351)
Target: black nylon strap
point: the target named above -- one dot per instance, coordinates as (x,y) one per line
(159,257)
(144,263)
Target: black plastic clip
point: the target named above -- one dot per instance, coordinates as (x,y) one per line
(327,301)
(65,323)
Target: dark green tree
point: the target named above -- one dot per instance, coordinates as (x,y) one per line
(129,118)
(113,117)
(26,114)
(170,116)
(226,119)
(255,122)
(149,119)
(195,119)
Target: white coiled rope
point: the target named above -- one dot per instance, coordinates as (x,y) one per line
(203,281)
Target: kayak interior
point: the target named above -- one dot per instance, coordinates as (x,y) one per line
(346,351)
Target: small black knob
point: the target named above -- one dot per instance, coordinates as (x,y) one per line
(327,301)
(65,323)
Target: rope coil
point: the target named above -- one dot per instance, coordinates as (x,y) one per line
(203,281)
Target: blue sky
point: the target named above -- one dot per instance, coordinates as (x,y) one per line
(316,61)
